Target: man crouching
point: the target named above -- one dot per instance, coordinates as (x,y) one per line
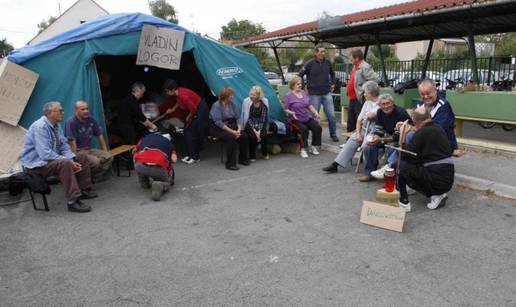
(46,151)
(153,158)
(431,172)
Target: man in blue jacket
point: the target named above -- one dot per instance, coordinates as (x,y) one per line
(46,151)
(440,110)
(320,82)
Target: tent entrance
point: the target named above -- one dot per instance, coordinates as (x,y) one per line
(117,74)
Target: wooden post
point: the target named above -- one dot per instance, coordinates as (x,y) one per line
(458,127)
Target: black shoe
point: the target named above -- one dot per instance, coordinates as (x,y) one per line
(232,168)
(78,206)
(335,138)
(87,194)
(332,168)
(244,162)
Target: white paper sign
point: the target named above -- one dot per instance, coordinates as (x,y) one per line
(16,86)
(160,47)
(11,145)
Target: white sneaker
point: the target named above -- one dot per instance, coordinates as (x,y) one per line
(303,153)
(378,174)
(185,159)
(314,151)
(437,201)
(410,191)
(188,161)
(406,206)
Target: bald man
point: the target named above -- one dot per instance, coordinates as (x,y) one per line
(431,172)
(440,110)
(79,130)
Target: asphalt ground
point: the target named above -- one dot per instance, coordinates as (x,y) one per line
(276,233)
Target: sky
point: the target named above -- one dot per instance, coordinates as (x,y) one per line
(19,18)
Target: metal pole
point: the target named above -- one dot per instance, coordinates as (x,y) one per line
(365,52)
(427,58)
(472,54)
(279,63)
(382,62)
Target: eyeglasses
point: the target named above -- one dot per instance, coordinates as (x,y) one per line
(58,110)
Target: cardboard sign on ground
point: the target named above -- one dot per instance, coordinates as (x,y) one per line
(11,145)
(160,47)
(383,216)
(16,86)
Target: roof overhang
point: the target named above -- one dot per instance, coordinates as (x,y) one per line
(456,21)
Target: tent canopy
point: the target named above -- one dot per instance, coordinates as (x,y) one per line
(67,70)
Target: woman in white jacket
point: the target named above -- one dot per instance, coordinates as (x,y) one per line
(255,121)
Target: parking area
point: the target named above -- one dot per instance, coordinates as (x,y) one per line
(278,232)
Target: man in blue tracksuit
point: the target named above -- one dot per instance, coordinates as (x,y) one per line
(441,111)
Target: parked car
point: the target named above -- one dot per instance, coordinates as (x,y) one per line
(466,75)
(289,76)
(273,78)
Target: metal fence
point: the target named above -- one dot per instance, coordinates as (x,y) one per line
(444,71)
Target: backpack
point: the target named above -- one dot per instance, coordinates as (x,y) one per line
(34,181)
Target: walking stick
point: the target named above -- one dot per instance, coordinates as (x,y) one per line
(362,144)
(403,132)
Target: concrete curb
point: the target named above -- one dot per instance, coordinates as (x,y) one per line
(474,183)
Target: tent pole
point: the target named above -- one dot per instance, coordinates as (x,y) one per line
(472,54)
(274,48)
(382,61)
(427,58)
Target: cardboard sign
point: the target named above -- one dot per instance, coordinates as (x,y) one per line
(16,86)
(382,216)
(160,47)
(11,145)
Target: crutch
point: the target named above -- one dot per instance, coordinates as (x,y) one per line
(362,144)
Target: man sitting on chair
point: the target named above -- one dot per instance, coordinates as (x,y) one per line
(46,151)
(387,119)
(79,130)
(431,171)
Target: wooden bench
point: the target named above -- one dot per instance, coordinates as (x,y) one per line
(117,154)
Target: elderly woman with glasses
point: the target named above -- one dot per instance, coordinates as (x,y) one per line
(255,120)
(298,108)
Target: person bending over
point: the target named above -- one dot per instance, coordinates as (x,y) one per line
(153,158)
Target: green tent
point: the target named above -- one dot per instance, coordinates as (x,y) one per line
(68,72)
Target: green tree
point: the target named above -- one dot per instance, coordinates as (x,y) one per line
(507,46)
(242,29)
(45,23)
(291,56)
(163,10)
(5,47)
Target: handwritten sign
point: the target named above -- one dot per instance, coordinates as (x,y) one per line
(11,145)
(16,86)
(160,47)
(382,216)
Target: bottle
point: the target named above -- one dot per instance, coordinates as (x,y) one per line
(389,180)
